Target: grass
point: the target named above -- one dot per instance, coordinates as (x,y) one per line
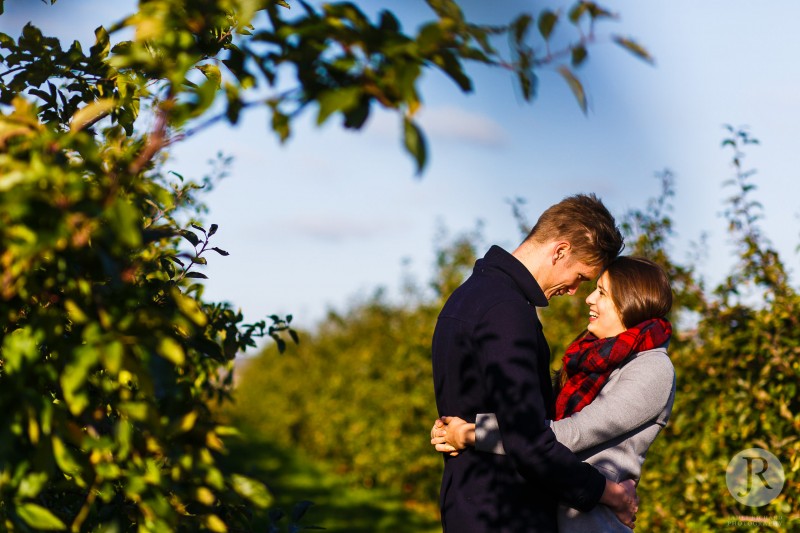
(338,506)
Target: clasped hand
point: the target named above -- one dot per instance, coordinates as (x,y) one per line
(451,434)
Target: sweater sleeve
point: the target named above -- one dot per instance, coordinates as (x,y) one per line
(639,396)
(487,434)
(508,339)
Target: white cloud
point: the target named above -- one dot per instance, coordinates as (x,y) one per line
(457,124)
(335,229)
(448,123)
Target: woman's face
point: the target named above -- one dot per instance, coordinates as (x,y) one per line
(604,319)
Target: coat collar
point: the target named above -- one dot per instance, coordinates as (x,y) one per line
(498,258)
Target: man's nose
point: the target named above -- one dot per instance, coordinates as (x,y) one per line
(573,289)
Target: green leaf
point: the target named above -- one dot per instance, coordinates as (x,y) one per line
(575,85)
(74,376)
(38,517)
(65,460)
(186,423)
(280,124)
(215,523)
(520,27)
(212,73)
(337,100)
(527,82)
(76,315)
(126,222)
(252,490)
(20,346)
(597,12)
(171,350)
(414,142)
(32,484)
(102,44)
(547,21)
(578,55)
(577,12)
(190,236)
(112,356)
(450,65)
(355,118)
(634,48)
(91,112)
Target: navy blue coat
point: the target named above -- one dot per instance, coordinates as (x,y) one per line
(490,356)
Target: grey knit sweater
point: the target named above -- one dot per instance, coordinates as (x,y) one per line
(612,433)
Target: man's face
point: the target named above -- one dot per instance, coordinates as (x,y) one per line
(567,275)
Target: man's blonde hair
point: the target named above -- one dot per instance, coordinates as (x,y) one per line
(584,222)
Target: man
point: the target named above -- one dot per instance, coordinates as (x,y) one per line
(490,356)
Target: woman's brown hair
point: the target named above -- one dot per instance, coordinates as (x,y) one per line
(639,289)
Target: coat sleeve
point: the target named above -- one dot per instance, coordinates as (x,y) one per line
(509,353)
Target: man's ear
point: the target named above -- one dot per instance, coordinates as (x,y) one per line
(561,250)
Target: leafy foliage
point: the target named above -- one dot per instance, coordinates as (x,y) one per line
(110,356)
(738,377)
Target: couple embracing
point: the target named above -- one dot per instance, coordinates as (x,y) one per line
(526,452)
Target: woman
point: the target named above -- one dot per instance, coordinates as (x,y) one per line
(617,386)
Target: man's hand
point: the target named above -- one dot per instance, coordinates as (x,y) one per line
(621,498)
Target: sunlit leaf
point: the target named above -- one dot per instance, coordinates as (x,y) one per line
(634,48)
(575,85)
(253,490)
(91,112)
(171,349)
(215,524)
(39,517)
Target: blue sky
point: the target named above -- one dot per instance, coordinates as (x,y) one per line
(331,215)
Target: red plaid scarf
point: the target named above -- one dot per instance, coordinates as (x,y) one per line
(589,361)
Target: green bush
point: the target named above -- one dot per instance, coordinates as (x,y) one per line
(738,374)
